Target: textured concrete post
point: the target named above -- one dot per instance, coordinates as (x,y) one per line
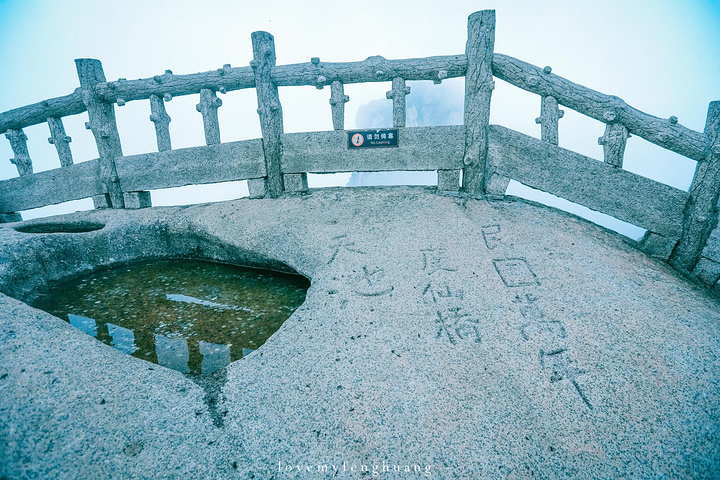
(135,200)
(209,103)
(701,210)
(257,187)
(60,140)
(397,95)
(548,119)
(478,92)
(613,141)
(21,160)
(159,116)
(103,126)
(448,180)
(101,201)
(269,109)
(10,217)
(338,99)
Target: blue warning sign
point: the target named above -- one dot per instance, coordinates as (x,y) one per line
(373,138)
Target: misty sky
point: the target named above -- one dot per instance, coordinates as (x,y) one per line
(659,56)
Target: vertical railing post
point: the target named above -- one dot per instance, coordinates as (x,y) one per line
(159,116)
(104,128)
(613,141)
(338,99)
(478,92)
(208,107)
(60,140)
(269,109)
(701,211)
(21,159)
(397,94)
(548,119)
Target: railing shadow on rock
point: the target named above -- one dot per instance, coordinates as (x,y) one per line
(681,226)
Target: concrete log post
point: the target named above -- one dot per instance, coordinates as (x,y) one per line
(478,92)
(338,99)
(102,201)
(613,142)
(103,126)
(397,95)
(135,200)
(10,217)
(269,109)
(21,160)
(60,140)
(257,187)
(159,116)
(448,181)
(548,119)
(208,106)
(700,216)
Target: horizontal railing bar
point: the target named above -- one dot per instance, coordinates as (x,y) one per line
(224,162)
(222,79)
(419,148)
(36,113)
(50,187)
(602,107)
(591,183)
(373,69)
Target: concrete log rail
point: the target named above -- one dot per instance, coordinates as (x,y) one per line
(103,126)
(678,223)
(478,91)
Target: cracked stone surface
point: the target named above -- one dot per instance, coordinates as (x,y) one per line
(472,338)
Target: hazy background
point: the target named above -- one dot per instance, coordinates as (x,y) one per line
(659,56)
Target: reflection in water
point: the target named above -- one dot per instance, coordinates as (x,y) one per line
(84,324)
(172,353)
(122,338)
(215,356)
(222,314)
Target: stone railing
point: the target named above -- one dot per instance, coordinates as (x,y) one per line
(680,224)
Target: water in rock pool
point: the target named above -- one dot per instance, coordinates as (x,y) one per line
(189,315)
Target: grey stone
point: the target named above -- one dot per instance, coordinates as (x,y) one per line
(478,92)
(208,106)
(21,160)
(189,166)
(10,217)
(257,187)
(497,184)
(397,95)
(613,141)
(601,107)
(295,183)
(159,116)
(712,247)
(269,109)
(101,201)
(413,338)
(548,119)
(708,271)
(420,148)
(580,179)
(338,99)
(137,200)
(701,213)
(657,246)
(73,182)
(103,125)
(448,180)
(60,140)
